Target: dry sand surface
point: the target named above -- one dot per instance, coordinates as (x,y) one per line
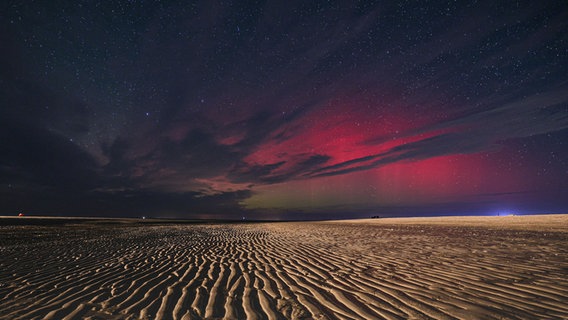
(441,268)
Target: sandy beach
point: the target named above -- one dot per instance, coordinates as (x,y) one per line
(422,268)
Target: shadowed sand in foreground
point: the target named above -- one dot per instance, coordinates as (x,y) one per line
(442,268)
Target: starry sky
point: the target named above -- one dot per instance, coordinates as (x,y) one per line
(283,109)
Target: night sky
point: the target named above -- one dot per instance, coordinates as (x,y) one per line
(282,110)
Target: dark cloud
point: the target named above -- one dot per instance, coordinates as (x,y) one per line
(444,144)
(244,172)
(37,156)
(129,203)
(536,115)
(199,153)
(170,204)
(273,173)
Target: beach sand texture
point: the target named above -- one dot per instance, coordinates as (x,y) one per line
(491,268)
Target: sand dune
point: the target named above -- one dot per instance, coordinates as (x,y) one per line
(324,270)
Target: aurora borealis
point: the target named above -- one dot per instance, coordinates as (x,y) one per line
(283,110)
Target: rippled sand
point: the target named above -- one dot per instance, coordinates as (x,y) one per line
(442,268)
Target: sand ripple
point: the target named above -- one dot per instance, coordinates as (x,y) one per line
(282,271)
